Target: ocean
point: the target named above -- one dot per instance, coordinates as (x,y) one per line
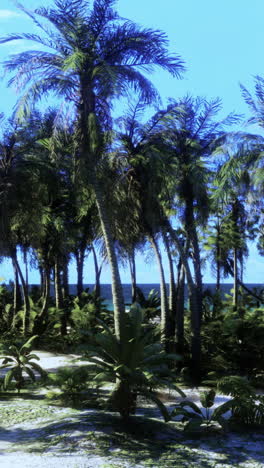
(106,292)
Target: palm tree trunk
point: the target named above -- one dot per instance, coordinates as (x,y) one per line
(198,274)
(57,281)
(117,290)
(163,292)
(38,322)
(17,296)
(46,291)
(26,266)
(194,306)
(218,263)
(26,318)
(173,291)
(91,150)
(59,295)
(79,256)
(124,399)
(65,278)
(42,281)
(132,267)
(235,293)
(179,335)
(197,298)
(97,269)
(183,255)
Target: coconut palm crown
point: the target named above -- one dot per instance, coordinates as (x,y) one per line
(88,55)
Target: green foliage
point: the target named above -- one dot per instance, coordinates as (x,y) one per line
(151,304)
(234,340)
(19,361)
(138,364)
(71,382)
(6,308)
(248,410)
(86,309)
(235,386)
(247,407)
(5,295)
(202,419)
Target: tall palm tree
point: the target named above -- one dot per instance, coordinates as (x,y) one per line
(142,168)
(255,154)
(91,55)
(190,131)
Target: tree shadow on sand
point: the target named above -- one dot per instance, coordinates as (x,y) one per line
(142,440)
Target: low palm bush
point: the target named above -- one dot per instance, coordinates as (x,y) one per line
(137,365)
(72,384)
(20,361)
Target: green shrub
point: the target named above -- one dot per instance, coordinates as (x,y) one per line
(87,308)
(71,383)
(137,365)
(202,419)
(247,407)
(20,361)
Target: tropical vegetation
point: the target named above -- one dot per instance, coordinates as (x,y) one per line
(179,184)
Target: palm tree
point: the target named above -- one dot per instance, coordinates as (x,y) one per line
(190,132)
(14,184)
(91,56)
(255,153)
(231,187)
(142,168)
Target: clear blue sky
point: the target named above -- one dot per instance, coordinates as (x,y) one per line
(222,46)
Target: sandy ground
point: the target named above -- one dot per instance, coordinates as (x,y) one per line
(53,361)
(58,439)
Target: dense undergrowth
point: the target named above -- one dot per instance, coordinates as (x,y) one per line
(232,360)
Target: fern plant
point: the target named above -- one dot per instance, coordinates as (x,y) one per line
(247,407)
(20,361)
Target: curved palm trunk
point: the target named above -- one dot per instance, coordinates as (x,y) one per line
(91,150)
(183,254)
(38,322)
(17,297)
(172,293)
(46,296)
(194,306)
(117,290)
(163,293)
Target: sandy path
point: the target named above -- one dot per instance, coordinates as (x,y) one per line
(52,361)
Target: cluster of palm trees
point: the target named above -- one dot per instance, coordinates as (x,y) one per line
(74,175)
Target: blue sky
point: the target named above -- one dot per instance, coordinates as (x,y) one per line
(222,46)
